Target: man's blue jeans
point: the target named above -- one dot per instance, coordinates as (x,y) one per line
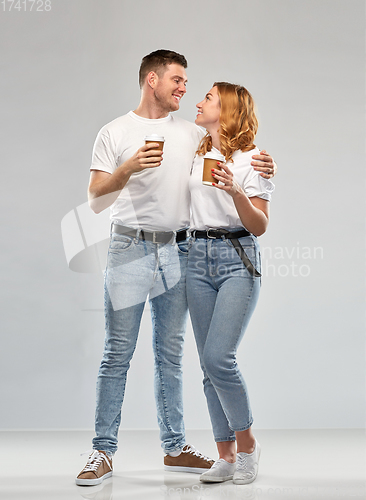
(222,295)
(138,269)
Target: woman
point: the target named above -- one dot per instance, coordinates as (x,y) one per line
(223,277)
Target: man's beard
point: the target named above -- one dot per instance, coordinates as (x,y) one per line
(164,104)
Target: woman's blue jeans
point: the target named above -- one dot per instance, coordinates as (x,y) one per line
(222,295)
(138,269)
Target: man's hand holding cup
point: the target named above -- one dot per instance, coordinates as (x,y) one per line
(148,156)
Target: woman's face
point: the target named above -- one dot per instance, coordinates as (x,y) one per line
(208,115)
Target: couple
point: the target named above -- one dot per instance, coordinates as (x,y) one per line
(151,254)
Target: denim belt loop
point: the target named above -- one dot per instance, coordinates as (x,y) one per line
(137,236)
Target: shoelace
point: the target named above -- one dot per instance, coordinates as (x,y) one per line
(94,461)
(217,463)
(242,462)
(192,450)
(243,467)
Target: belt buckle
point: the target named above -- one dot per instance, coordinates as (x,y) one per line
(208,233)
(154,237)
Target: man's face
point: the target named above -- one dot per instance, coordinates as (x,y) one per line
(170,87)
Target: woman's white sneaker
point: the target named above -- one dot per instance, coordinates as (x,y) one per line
(247,466)
(219,472)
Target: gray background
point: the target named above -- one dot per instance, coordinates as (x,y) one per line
(67,72)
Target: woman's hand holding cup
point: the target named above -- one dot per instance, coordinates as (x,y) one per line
(226,177)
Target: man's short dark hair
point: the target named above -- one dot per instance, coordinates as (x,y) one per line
(157,60)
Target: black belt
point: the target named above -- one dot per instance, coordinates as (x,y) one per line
(154,236)
(219,233)
(223,233)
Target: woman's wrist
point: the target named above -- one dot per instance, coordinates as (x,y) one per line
(237,191)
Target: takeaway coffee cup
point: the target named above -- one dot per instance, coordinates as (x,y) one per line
(155,138)
(210,161)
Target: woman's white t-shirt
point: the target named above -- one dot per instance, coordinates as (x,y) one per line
(214,208)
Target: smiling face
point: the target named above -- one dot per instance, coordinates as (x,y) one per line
(208,115)
(169,87)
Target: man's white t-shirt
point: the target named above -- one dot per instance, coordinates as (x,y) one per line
(155,199)
(214,208)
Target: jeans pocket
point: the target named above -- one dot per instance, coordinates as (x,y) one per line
(120,242)
(184,246)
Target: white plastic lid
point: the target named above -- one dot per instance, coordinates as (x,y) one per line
(215,155)
(154,137)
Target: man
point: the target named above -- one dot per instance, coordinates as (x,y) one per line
(147,191)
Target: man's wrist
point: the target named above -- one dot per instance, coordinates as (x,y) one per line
(126,168)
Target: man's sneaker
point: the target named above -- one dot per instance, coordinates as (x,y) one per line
(190,460)
(247,466)
(98,468)
(219,472)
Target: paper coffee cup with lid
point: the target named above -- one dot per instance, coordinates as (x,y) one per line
(209,162)
(159,139)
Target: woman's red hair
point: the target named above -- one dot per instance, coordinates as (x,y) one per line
(238,121)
